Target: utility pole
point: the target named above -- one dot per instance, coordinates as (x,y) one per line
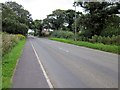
(75,31)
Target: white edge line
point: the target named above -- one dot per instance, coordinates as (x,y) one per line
(44,72)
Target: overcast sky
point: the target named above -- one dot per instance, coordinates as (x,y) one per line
(40,8)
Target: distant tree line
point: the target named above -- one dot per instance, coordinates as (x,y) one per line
(100,18)
(59,19)
(15,19)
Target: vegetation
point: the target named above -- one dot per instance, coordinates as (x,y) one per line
(9,61)
(99,24)
(15,24)
(63,34)
(15,19)
(100,19)
(37,26)
(99,46)
(9,41)
(98,28)
(114,40)
(58,20)
(12,46)
(99,15)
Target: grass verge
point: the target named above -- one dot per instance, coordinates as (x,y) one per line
(9,63)
(99,46)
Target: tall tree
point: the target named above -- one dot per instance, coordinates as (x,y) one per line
(15,18)
(97,15)
(37,27)
(70,18)
(60,19)
(23,16)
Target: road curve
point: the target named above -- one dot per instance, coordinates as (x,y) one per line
(70,66)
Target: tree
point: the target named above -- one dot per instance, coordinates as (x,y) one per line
(60,19)
(15,18)
(97,15)
(70,18)
(112,26)
(57,19)
(46,23)
(38,27)
(23,16)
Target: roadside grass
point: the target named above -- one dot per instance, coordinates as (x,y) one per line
(99,46)
(9,63)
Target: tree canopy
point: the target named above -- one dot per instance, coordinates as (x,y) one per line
(99,19)
(37,26)
(15,19)
(98,15)
(60,19)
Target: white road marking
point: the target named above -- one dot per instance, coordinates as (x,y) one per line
(67,51)
(44,72)
(63,49)
(49,43)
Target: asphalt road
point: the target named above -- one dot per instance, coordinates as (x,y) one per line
(28,73)
(70,66)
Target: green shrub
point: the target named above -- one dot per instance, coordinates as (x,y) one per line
(112,26)
(9,41)
(82,38)
(100,39)
(110,30)
(94,39)
(115,40)
(63,34)
(20,36)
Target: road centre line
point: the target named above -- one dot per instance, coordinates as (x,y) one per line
(44,72)
(63,49)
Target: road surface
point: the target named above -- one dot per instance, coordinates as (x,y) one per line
(70,66)
(28,73)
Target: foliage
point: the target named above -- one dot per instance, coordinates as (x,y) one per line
(112,26)
(99,46)
(20,36)
(62,34)
(60,19)
(100,19)
(9,61)
(97,16)
(70,18)
(23,16)
(115,40)
(37,26)
(15,20)
(9,41)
